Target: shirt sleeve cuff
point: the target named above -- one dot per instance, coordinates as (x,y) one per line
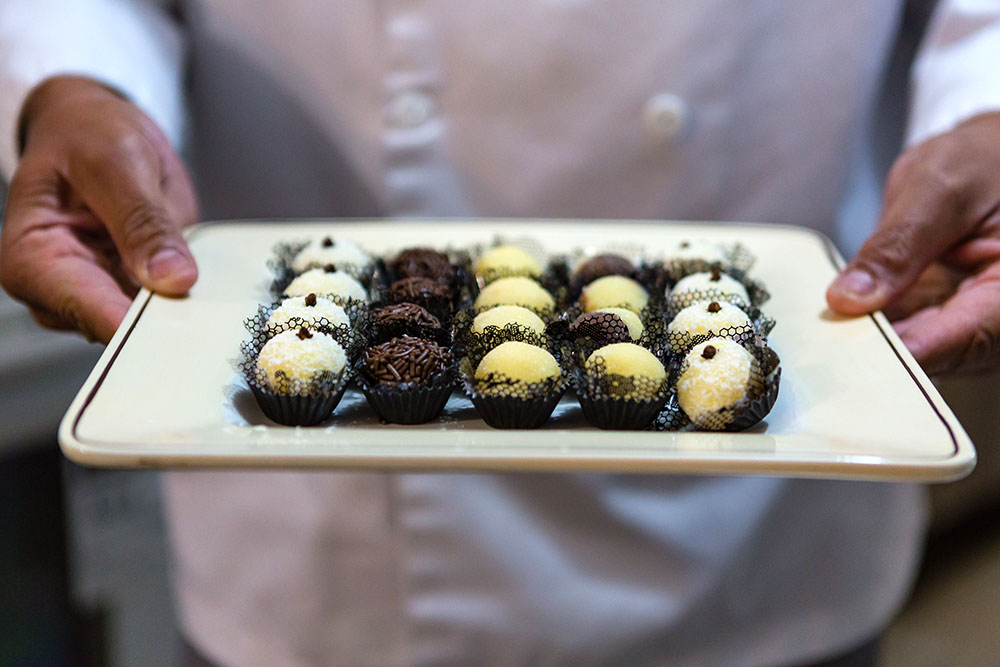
(130,47)
(955,75)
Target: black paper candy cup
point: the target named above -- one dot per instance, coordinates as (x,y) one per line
(617,414)
(509,404)
(291,410)
(515,412)
(407,403)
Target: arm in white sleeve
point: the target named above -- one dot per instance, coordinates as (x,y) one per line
(957,71)
(130,46)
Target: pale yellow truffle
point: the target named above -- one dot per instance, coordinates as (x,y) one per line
(519,362)
(516,291)
(629,360)
(336,283)
(714,380)
(717,282)
(501,316)
(329,250)
(703,317)
(630,319)
(300,358)
(614,292)
(297,307)
(508,259)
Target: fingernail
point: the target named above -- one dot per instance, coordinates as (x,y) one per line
(857,282)
(166,263)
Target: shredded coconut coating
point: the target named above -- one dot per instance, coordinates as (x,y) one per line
(698,319)
(701,282)
(510,259)
(341,253)
(614,292)
(519,362)
(300,359)
(319,281)
(631,320)
(516,291)
(295,307)
(708,385)
(500,316)
(628,360)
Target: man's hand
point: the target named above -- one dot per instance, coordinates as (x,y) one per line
(95,208)
(933,263)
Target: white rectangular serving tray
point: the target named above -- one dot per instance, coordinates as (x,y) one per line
(853,403)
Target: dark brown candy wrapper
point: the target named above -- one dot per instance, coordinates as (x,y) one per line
(606,264)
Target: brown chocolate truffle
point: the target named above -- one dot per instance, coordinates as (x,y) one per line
(406,359)
(602,327)
(430,294)
(423,263)
(404,313)
(606,264)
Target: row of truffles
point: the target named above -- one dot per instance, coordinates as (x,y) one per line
(626,332)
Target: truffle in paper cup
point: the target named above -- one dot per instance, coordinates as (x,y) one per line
(295,384)
(513,385)
(723,385)
(621,386)
(383,323)
(407,380)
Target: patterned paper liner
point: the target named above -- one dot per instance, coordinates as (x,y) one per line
(762,392)
(503,402)
(464,339)
(258,321)
(601,398)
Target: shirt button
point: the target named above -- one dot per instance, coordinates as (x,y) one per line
(409,109)
(664,116)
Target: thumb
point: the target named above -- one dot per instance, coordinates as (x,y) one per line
(919,223)
(128,192)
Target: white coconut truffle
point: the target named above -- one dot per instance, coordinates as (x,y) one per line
(328,250)
(310,309)
(717,282)
(716,376)
(704,317)
(501,316)
(333,283)
(631,320)
(694,249)
(516,291)
(299,355)
(614,292)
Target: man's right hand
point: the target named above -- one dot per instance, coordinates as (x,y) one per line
(95,209)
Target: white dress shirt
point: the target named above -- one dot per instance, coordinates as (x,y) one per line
(587,108)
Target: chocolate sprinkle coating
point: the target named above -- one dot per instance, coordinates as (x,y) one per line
(404,313)
(418,290)
(601,327)
(606,264)
(406,359)
(423,263)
